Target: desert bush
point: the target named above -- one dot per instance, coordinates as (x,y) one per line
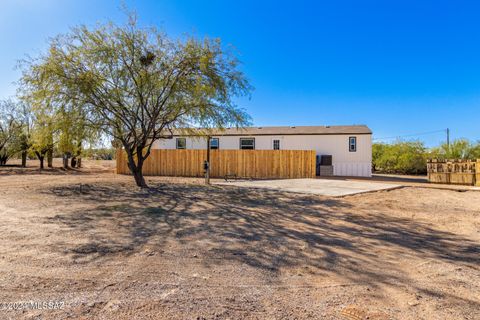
(410,157)
(400,157)
(458,149)
(101,153)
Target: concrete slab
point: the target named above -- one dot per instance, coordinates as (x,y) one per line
(326,187)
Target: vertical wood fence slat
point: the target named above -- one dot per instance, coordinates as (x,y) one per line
(477,170)
(456,171)
(259,164)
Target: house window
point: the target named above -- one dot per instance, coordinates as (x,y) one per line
(214,143)
(247,143)
(276,144)
(352,144)
(181,143)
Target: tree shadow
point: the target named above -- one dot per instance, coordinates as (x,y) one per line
(55,171)
(264,229)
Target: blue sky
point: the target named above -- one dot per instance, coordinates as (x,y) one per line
(401,67)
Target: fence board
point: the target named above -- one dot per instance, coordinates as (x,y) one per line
(477,173)
(243,163)
(464,172)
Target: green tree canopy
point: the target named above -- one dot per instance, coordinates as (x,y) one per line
(42,134)
(410,157)
(458,149)
(400,157)
(138,85)
(11,129)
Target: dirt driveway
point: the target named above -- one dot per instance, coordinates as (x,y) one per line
(104,249)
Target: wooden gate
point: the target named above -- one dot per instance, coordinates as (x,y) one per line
(260,164)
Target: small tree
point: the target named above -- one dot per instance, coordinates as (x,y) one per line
(25,116)
(138,85)
(10,130)
(42,135)
(74,132)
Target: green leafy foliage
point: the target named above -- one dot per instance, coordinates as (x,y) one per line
(410,157)
(135,84)
(101,153)
(400,157)
(12,138)
(458,149)
(42,134)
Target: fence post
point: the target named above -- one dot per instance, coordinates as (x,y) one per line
(207,163)
(477,173)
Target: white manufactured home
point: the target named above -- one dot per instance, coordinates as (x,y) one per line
(346,150)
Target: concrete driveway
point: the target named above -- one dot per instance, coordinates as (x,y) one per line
(326,187)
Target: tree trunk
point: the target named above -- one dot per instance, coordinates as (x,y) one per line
(136,169)
(24,159)
(40,157)
(50,158)
(79,163)
(41,162)
(78,154)
(65,161)
(73,162)
(3,158)
(139,179)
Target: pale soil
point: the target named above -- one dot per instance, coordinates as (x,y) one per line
(182,250)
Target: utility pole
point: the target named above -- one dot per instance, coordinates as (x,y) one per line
(448,139)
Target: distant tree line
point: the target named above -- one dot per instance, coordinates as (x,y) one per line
(101,153)
(28,130)
(410,157)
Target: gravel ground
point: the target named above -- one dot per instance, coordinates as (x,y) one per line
(95,246)
(324,187)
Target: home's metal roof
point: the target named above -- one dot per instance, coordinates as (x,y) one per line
(293,130)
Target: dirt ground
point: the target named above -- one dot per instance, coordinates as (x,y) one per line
(94,246)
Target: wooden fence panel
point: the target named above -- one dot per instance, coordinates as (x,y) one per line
(477,173)
(463,172)
(259,164)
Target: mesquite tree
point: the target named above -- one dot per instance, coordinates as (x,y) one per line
(138,85)
(42,134)
(10,130)
(73,132)
(24,115)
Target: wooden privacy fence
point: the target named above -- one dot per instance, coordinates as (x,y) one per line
(261,164)
(465,172)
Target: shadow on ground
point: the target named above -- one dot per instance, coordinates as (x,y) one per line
(19,170)
(268,230)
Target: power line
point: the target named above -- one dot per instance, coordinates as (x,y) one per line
(410,135)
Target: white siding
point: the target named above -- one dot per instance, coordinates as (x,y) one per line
(345,163)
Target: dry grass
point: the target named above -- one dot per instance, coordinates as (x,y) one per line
(182,250)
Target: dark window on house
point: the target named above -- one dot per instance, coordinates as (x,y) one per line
(247,143)
(352,144)
(214,143)
(181,143)
(276,144)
